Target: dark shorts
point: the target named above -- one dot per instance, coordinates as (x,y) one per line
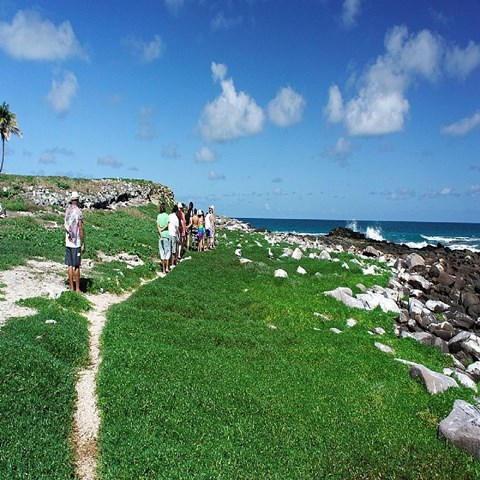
(73,256)
(209,233)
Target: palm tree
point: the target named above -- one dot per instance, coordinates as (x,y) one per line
(8,125)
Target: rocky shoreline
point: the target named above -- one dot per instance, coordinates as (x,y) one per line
(436,291)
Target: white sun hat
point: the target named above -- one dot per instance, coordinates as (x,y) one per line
(212,207)
(75,196)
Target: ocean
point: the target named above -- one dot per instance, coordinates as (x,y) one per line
(456,236)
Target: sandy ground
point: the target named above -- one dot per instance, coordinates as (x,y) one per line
(36,278)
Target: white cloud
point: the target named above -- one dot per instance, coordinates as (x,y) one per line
(219,71)
(286,108)
(380,105)
(340,151)
(215,175)
(350,12)
(109,161)
(463,126)
(146,52)
(205,155)
(221,22)
(474,190)
(174,5)
(334,108)
(231,115)
(49,156)
(170,151)
(146,129)
(30,37)
(461,62)
(62,93)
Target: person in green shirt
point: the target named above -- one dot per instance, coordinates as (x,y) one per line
(164,239)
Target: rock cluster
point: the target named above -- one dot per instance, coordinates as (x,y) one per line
(99,193)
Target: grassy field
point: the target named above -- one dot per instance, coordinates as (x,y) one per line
(222,371)
(40,356)
(131,231)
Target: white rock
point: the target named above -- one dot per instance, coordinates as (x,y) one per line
(389,305)
(270,253)
(434,382)
(279,273)
(324,255)
(272,327)
(474,369)
(465,380)
(245,260)
(297,254)
(50,322)
(370,270)
(322,315)
(238,252)
(301,270)
(258,244)
(345,266)
(385,348)
(351,322)
(437,306)
(406,362)
(335,330)
(379,331)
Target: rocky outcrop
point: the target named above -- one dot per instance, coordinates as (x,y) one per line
(94,193)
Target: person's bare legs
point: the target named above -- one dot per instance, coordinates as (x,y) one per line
(77,279)
(188,241)
(70,277)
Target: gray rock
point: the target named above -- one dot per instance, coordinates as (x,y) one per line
(414,260)
(403,316)
(443,330)
(437,306)
(245,260)
(371,252)
(335,330)
(344,295)
(455,343)
(461,320)
(379,331)
(465,380)
(472,346)
(415,307)
(426,319)
(462,427)
(417,281)
(442,345)
(385,348)
(474,370)
(389,305)
(434,382)
(423,337)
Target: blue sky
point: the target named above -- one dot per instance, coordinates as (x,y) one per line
(339,109)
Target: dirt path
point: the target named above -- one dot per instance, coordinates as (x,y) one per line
(87,418)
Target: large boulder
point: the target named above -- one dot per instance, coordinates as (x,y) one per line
(344,295)
(462,427)
(434,382)
(423,337)
(413,260)
(371,252)
(415,307)
(446,279)
(417,281)
(461,320)
(324,255)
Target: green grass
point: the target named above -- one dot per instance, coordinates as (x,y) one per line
(132,231)
(196,384)
(38,369)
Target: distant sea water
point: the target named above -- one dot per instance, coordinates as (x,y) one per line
(456,236)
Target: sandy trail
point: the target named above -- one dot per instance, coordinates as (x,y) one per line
(87,418)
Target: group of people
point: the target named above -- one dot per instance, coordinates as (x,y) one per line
(183,229)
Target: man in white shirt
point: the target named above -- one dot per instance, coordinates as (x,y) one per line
(173,229)
(74,241)
(210,226)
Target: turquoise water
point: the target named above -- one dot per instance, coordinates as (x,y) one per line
(415,234)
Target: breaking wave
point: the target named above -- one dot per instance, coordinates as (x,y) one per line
(374,233)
